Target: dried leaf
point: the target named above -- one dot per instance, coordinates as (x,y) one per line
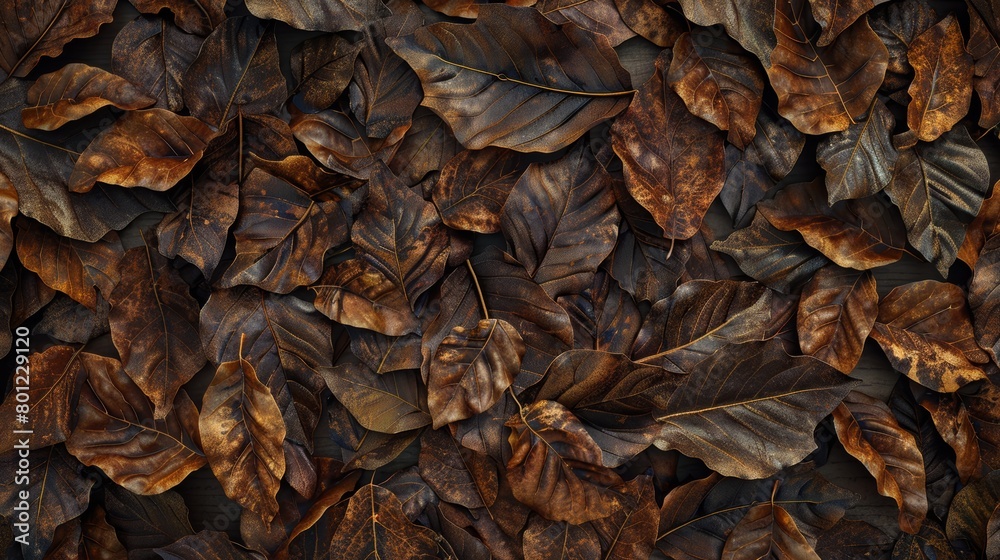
(151,52)
(322,69)
(205,545)
(942,84)
(544,539)
(457,474)
(389,403)
(970,512)
(859,160)
(767,529)
(374,526)
(146,522)
(356,293)
(575,82)
(197,231)
(75,91)
(984,298)
(427,147)
(599,17)
(338,15)
(984,46)
(674,161)
(750,23)
(836,312)
(897,24)
(193,16)
(473,187)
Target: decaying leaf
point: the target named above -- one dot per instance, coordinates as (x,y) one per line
(836,312)
(942,84)
(75,91)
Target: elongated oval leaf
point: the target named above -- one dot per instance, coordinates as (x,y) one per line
(574,80)
(77,90)
(767,529)
(836,312)
(56,376)
(942,82)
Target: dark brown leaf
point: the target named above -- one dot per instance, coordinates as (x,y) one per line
(952,421)
(427,147)
(56,376)
(473,187)
(985,225)
(984,298)
(970,512)
(836,312)
(984,46)
(604,316)
(702,316)
(98,538)
(942,85)
(835,17)
(197,231)
(862,234)
(457,474)
(726,410)
(205,545)
(629,532)
(718,82)
(116,431)
(869,432)
(562,221)
(767,530)
(939,188)
(471,369)
(154,325)
(374,526)
(651,20)
(242,431)
(559,540)
(146,522)
(153,148)
(674,161)
(72,267)
(193,16)
(322,69)
(859,160)
(574,83)
(337,15)
(599,17)
(555,466)
(386,353)
(75,91)
(897,24)
(389,403)
(823,88)
(42,29)
(356,293)
(234,73)
(151,52)
(851,539)
(925,330)
(750,23)
(338,141)
(984,412)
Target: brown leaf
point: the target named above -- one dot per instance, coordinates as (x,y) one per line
(747,183)
(384,91)
(984,412)
(562,222)
(117,433)
(953,422)
(151,52)
(651,20)
(613,397)
(984,298)
(457,474)
(702,316)
(473,187)
(427,147)
(925,330)
(154,325)
(197,231)
(750,23)
(374,526)
(146,522)
(599,17)
(629,532)
(823,88)
(545,539)
(674,161)
(471,369)
(56,376)
(193,16)
(897,24)
(322,69)
(75,91)
(985,225)
(984,46)
(205,545)
(939,188)
(930,542)
(99,541)
(970,512)
(993,534)
(153,148)
(241,431)
(765,530)
(57,491)
(859,160)
(854,539)
(604,316)
(39,164)
(574,82)
(942,86)
(386,353)
(835,17)
(337,15)
(389,403)
(777,259)
(555,466)
(44,28)
(868,431)
(756,390)
(836,312)
(282,234)
(236,72)
(356,293)
(338,141)
(718,82)
(862,234)
(233,154)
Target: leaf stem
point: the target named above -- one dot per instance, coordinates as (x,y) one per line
(479,290)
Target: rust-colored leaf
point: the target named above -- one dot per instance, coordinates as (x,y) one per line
(356,293)
(153,148)
(952,420)
(871,434)
(555,466)
(600,17)
(375,526)
(545,539)
(197,230)
(725,411)
(98,538)
(154,325)
(674,161)
(836,312)
(75,91)
(151,52)
(629,532)
(473,187)
(925,330)
(897,24)
(574,82)
(116,431)
(862,234)
(338,141)
(823,88)
(985,225)
(193,16)
(471,369)
(651,20)
(767,530)
(942,84)
(56,376)
(389,403)
(718,82)
(241,431)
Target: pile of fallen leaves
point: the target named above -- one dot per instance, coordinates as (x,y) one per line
(446,280)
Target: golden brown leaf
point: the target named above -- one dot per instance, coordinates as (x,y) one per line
(356,293)
(374,526)
(836,312)
(75,91)
(473,187)
(952,420)
(985,225)
(925,330)
(56,376)
(823,88)
(545,540)
(870,433)
(154,325)
(767,530)
(241,431)
(116,431)
(942,85)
